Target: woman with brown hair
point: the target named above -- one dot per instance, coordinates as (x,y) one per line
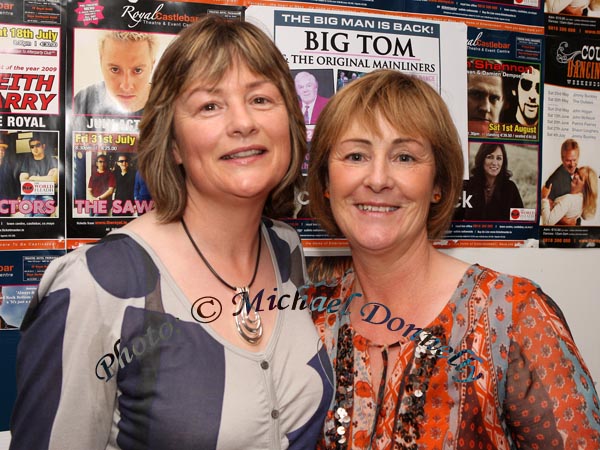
(113,345)
(429,351)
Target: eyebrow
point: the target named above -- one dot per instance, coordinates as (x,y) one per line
(216,90)
(396,141)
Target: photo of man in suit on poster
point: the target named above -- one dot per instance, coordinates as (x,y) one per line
(313,93)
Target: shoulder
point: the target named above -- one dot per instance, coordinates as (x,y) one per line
(321,100)
(281,231)
(51,161)
(287,249)
(89,93)
(117,263)
(518,294)
(511,187)
(560,172)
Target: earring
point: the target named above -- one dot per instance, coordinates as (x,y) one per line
(437,197)
(326,194)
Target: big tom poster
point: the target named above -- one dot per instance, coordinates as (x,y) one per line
(328,50)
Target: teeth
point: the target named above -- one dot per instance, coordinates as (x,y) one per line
(372,208)
(243,154)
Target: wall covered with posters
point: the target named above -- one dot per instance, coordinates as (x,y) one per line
(521,80)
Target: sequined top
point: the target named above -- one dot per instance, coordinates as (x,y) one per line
(534,390)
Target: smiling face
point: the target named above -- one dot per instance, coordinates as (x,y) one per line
(578,182)
(528,93)
(492,164)
(306,87)
(570,158)
(126,67)
(232,138)
(381,185)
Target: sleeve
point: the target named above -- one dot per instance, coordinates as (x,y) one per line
(558,211)
(550,398)
(112,181)
(556,6)
(517,201)
(62,403)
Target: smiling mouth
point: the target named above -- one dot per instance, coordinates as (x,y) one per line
(244,154)
(372,208)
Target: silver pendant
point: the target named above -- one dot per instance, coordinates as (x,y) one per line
(248,323)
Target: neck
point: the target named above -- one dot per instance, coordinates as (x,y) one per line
(490,181)
(522,119)
(223,229)
(395,279)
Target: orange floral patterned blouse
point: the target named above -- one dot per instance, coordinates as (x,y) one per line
(534,391)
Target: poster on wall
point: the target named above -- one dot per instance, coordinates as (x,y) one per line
(328,50)
(516,15)
(498,204)
(114,47)
(20,274)
(571,155)
(579,17)
(31,126)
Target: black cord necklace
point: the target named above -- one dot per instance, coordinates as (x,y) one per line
(249,327)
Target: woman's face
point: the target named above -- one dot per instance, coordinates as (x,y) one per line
(492,164)
(232,138)
(381,186)
(577,182)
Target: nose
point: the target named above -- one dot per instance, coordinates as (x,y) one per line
(378,177)
(241,120)
(126,83)
(485,105)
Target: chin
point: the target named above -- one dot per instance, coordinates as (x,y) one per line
(372,241)
(252,190)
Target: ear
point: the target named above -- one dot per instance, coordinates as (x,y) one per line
(176,153)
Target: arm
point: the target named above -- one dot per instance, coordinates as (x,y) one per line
(51,176)
(551,216)
(61,404)
(556,6)
(106,194)
(549,391)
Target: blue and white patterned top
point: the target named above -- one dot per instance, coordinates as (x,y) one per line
(175,384)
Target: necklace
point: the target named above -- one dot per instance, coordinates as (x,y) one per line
(249,326)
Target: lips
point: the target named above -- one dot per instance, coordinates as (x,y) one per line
(243,154)
(377,208)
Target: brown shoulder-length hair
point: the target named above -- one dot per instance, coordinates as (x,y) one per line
(412,107)
(205,51)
